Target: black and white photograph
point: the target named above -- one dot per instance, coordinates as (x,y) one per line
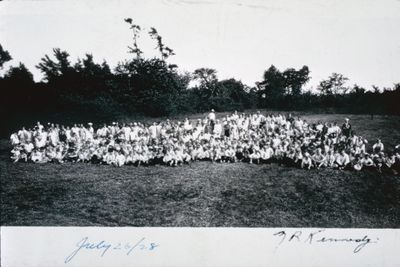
(200,113)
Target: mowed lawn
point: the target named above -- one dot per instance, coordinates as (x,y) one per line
(203,193)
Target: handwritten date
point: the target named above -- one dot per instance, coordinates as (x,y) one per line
(103,247)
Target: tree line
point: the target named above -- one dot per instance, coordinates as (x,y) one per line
(155,87)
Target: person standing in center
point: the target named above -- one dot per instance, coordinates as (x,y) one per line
(211,119)
(346,128)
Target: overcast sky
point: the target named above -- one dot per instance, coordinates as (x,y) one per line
(239,38)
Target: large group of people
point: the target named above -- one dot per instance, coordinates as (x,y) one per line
(254,138)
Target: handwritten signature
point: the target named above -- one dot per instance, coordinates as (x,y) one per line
(298,236)
(104,246)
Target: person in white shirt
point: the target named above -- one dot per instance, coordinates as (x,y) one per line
(187,125)
(16,154)
(235,115)
(39,126)
(24,135)
(230,154)
(40,139)
(53,137)
(14,139)
(38,156)
(28,148)
(211,116)
(357,163)
(306,162)
(169,157)
(342,160)
(211,119)
(255,154)
(218,128)
(153,130)
(266,153)
(120,159)
(319,159)
(378,146)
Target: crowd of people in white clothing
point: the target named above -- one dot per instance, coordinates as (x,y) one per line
(253,138)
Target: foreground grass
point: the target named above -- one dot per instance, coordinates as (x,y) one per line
(203,194)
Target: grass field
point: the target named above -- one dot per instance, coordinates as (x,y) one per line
(204,194)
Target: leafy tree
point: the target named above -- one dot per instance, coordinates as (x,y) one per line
(358,90)
(61,67)
(4,57)
(376,89)
(136,31)
(205,76)
(233,94)
(91,78)
(207,79)
(17,85)
(396,87)
(274,81)
(334,85)
(164,50)
(153,86)
(20,74)
(89,69)
(272,88)
(295,79)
